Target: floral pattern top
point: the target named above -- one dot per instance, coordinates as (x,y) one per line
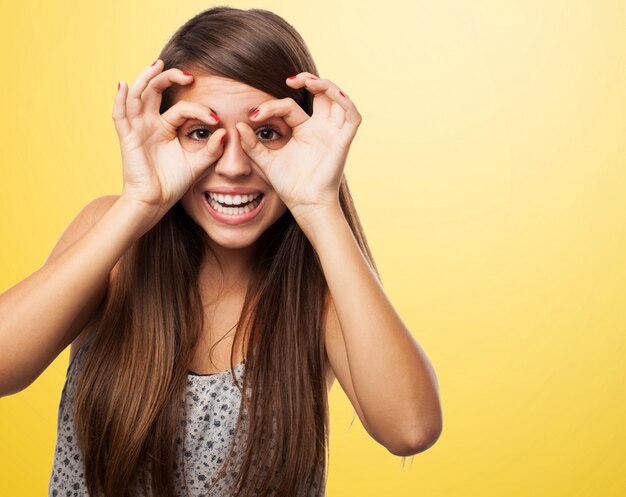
(212,406)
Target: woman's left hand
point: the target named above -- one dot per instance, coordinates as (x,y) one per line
(306,172)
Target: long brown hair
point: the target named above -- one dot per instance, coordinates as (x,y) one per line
(130,393)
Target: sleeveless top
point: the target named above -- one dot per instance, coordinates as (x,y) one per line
(212,406)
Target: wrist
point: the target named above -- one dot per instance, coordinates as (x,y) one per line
(142,215)
(314,220)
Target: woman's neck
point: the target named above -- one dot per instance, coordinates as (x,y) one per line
(226,270)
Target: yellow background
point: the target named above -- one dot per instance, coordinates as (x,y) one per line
(489,172)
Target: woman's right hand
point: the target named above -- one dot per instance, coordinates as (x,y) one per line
(157,170)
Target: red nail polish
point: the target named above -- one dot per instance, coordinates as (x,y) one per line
(222,139)
(342,93)
(292,77)
(186,73)
(254,114)
(118,86)
(154,62)
(214,116)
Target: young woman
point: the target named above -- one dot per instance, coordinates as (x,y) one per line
(211,304)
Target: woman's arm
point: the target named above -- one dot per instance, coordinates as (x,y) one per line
(43,314)
(381,367)
(376,359)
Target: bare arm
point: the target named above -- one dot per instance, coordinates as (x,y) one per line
(43,314)
(378,362)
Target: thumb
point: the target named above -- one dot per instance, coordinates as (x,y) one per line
(205,157)
(251,145)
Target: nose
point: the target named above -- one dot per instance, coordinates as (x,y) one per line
(234,162)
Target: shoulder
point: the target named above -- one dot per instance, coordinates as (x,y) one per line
(96,208)
(82,222)
(99,205)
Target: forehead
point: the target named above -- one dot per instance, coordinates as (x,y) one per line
(222,94)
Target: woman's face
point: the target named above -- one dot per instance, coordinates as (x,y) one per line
(232,201)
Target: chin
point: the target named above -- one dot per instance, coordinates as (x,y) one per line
(232,241)
(227,231)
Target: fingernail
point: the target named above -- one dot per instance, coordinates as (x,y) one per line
(154,62)
(118,86)
(222,139)
(292,77)
(215,118)
(312,77)
(254,114)
(342,93)
(186,73)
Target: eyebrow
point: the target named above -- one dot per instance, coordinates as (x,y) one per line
(247,113)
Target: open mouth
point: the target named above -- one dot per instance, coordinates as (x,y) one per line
(233,205)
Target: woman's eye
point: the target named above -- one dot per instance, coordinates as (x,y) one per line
(264,134)
(205,132)
(269,132)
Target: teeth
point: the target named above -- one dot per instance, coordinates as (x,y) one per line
(214,200)
(233,199)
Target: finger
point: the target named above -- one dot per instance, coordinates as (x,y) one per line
(333,93)
(174,117)
(201,160)
(285,108)
(351,116)
(133,102)
(251,145)
(122,126)
(153,93)
(321,103)
(337,115)
(297,81)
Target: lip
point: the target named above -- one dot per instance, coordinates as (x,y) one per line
(233,190)
(234,218)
